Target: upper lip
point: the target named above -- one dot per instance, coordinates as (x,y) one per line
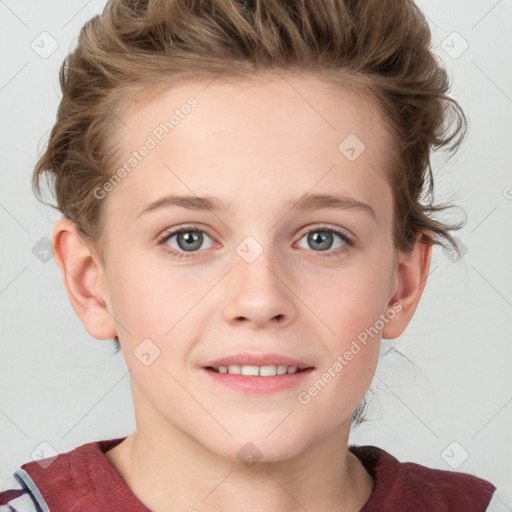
(248,359)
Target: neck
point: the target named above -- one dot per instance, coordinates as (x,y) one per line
(171,472)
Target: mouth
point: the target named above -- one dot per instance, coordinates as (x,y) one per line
(257,365)
(258,371)
(252,379)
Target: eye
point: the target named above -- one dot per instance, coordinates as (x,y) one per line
(185,240)
(321,239)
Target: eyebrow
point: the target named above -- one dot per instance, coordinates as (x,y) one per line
(307,202)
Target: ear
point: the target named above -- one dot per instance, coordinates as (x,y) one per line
(83,277)
(412,273)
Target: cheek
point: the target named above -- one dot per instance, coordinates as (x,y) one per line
(157,303)
(351,305)
(352,298)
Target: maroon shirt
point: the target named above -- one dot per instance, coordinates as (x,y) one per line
(84,480)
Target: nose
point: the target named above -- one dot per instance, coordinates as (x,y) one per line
(259,293)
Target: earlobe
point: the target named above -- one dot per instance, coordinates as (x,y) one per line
(412,276)
(83,278)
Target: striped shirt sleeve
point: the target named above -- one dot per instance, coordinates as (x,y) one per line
(16,497)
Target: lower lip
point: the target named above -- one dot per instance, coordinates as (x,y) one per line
(254,384)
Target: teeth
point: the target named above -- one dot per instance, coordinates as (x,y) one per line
(260,371)
(267,371)
(282,369)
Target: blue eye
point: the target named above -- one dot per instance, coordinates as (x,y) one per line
(189,241)
(321,239)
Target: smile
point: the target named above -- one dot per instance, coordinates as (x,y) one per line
(257,371)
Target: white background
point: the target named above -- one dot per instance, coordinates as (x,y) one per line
(61,386)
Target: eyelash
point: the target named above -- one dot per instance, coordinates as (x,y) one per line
(326,254)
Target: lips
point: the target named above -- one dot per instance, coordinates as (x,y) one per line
(251,359)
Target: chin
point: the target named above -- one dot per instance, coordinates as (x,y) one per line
(258,447)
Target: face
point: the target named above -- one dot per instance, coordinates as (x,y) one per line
(257,273)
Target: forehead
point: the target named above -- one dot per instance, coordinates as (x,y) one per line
(266,137)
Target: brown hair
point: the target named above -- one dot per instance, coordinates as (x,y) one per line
(373,46)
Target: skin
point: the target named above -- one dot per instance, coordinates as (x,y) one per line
(255,146)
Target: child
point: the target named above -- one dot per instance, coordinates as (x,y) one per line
(202,149)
